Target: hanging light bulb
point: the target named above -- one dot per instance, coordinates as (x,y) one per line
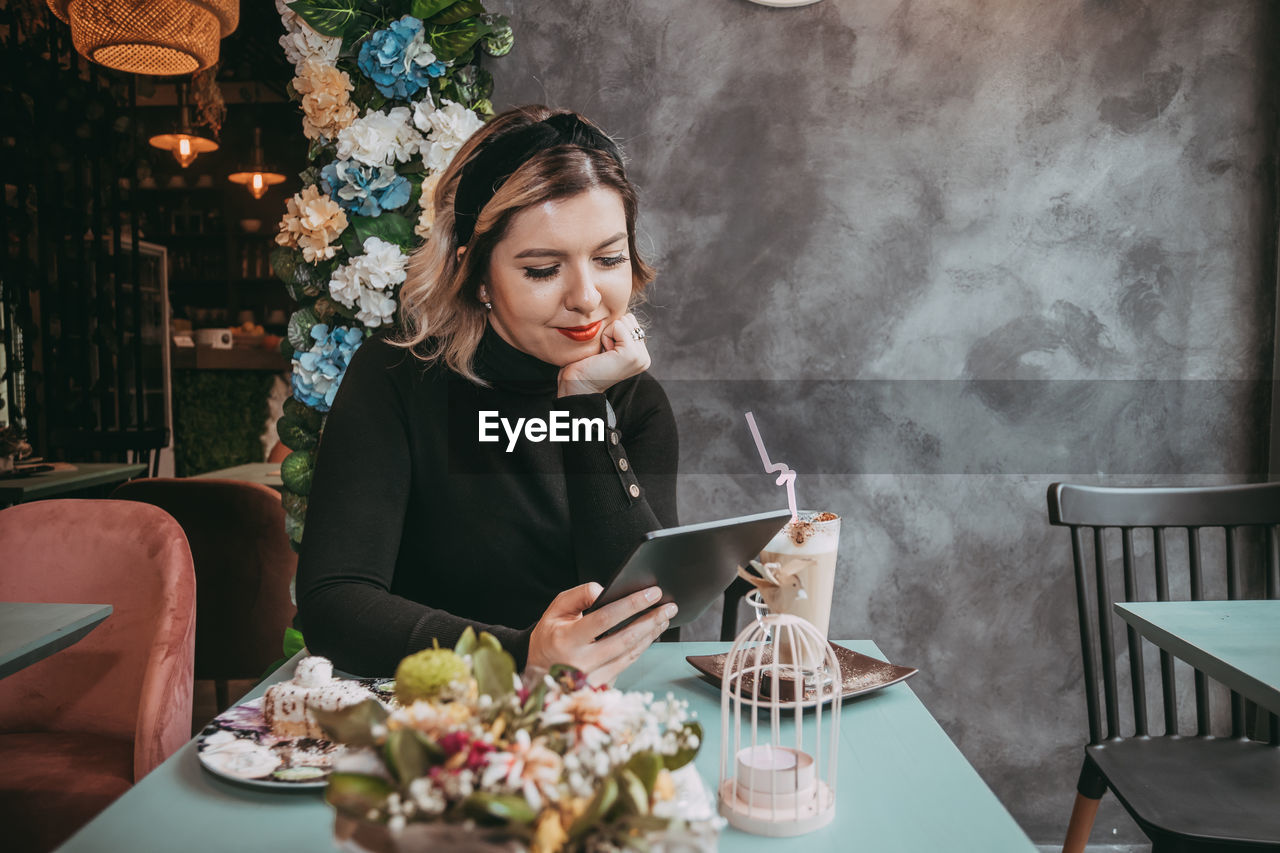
(161,37)
(185,144)
(257,177)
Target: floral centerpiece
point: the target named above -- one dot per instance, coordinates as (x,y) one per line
(472,752)
(389,91)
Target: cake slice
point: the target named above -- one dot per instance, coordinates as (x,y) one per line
(287,706)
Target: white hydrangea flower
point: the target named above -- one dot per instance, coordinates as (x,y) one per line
(447,128)
(376,308)
(426,206)
(302,43)
(288,17)
(366,281)
(381,138)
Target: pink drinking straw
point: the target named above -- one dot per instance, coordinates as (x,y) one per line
(785,474)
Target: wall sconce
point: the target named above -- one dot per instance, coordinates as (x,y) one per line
(257,177)
(161,37)
(185,144)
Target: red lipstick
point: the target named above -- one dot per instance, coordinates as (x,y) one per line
(582,334)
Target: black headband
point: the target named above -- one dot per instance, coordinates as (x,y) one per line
(499,159)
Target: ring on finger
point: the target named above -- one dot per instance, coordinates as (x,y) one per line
(637,333)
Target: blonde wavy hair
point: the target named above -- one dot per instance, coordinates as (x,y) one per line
(441,317)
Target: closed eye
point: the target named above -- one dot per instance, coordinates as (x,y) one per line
(544,273)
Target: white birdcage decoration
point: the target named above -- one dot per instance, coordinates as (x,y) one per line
(781,780)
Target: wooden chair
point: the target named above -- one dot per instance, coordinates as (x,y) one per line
(244,566)
(1187,792)
(135,446)
(78,728)
(729,617)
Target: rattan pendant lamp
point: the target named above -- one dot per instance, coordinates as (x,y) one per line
(159,37)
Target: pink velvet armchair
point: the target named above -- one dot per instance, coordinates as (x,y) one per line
(80,727)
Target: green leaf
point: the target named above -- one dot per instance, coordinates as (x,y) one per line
(466,643)
(354,725)
(498,808)
(646,766)
(429,8)
(392,227)
(293,642)
(299,329)
(500,41)
(334,18)
(633,798)
(488,641)
(493,672)
(458,10)
(684,756)
(355,794)
(449,41)
(406,755)
(606,795)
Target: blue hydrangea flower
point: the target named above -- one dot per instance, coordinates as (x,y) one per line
(398,59)
(318,372)
(367,190)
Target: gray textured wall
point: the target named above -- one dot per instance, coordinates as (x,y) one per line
(865,192)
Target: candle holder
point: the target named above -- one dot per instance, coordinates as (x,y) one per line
(778,779)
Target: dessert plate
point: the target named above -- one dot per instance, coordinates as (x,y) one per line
(859,675)
(239,747)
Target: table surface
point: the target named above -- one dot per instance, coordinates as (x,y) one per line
(1234,642)
(265,473)
(31,631)
(50,483)
(902,786)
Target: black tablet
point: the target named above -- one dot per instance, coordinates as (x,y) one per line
(693,564)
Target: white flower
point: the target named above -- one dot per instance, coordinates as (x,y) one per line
(379,139)
(306,44)
(376,309)
(447,129)
(366,279)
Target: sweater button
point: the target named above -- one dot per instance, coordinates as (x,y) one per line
(613,438)
(634,490)
(622,463)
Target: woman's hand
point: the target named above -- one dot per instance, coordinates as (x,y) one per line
(622,356)
(566,635)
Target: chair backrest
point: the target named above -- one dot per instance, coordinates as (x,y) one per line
(244,566)
(1090,510)
(131,677)
(137,446)
(733,595)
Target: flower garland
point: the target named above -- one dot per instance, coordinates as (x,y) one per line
(389,92)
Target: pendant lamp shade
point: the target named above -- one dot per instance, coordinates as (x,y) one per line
(184,143)
(257,177)
(160,37)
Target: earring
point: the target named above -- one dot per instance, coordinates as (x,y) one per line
(484,300)
(488,306)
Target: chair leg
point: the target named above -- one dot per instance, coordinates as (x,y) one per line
(221,694)
(1082,816)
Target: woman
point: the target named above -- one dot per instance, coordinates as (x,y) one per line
(435,504)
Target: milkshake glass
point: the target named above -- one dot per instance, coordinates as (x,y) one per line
(805,551)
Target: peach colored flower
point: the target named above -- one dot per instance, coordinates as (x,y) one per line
(326,101)
(312,222)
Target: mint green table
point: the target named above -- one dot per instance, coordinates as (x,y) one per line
(903,786)
(1234,642)
(87,475)
(31,631)
(263,473)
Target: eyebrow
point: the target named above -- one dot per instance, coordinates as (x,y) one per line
(556,253)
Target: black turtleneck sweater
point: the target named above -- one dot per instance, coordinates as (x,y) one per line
(415,529)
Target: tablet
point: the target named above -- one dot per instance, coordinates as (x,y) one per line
(692,565)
